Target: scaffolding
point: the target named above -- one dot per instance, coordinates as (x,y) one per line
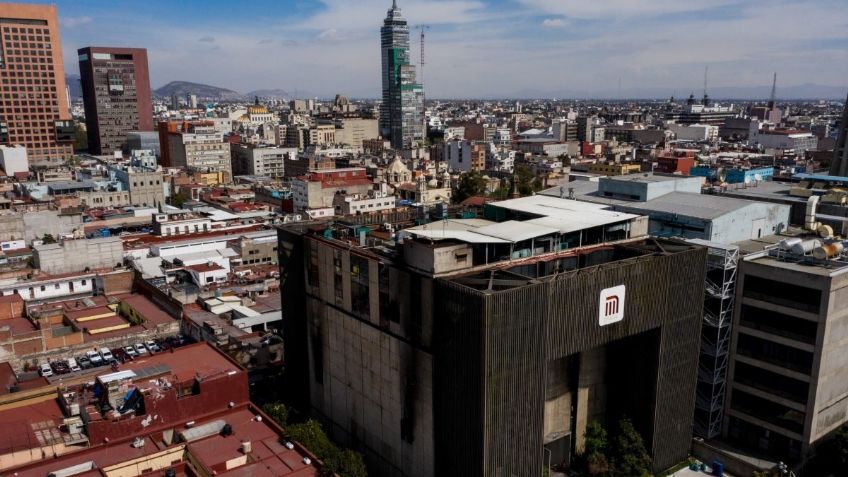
(719,289)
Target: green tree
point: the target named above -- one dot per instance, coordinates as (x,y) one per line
(277,411)
(80,138)
(470,185)
(347,463)
(527,181)
(595,449)
(48,238)
(629,457)
(178,199)
(312,436)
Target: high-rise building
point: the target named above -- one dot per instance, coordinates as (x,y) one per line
(486,346)
(116,95)
(34,107)
(402,111)
(839,166)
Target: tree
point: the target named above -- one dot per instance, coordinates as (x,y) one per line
(178,199)
(595,449)
(527,181)
(629,457)
(312,436)
(48,238)
(278,412)
(347,463)
(80,138)
(470,185)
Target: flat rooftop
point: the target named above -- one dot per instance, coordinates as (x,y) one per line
(545,216)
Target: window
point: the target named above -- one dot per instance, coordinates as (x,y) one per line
(359,289)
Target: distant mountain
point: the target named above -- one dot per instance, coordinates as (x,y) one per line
(203,91)
(74,86)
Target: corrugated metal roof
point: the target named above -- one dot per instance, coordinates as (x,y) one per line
(515,231)
(702,206)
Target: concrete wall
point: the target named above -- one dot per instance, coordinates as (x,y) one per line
(49,222)
(831,394)
(77,255)
(757,219)
(12,227)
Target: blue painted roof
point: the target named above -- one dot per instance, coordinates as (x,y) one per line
(820,177)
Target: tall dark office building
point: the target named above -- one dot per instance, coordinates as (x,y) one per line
(33,99)
(839,166)
(402,111)
(116,94)
(484,347)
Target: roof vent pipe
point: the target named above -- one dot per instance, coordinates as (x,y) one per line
(810,215)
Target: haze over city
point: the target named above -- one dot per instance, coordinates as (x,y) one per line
(484,48)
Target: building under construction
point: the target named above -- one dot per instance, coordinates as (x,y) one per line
(485,346)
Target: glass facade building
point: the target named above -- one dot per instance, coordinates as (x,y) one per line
(402,112)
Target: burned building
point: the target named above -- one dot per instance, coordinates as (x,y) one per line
(486,346)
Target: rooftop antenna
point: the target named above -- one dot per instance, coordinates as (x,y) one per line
(706,72)
(773,91)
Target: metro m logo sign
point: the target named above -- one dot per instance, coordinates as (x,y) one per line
(611,305)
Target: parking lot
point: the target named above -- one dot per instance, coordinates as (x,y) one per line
(94,359)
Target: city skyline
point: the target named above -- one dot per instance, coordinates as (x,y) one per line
(567,48)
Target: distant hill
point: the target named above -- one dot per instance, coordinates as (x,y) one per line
(203,91)
(74,86)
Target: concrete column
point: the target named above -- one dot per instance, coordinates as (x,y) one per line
(591,395)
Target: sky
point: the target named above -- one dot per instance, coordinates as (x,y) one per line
(476,48)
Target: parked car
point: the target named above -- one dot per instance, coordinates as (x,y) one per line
(130,351)
(140,349)
(73,366)
(152,346)
(84,362)
(60,367)
(94,357)
(45,370)
(107,355)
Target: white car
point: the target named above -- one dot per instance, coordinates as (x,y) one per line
(94,357)
(130,351)
(140,349)
(152,346)
(107,355)
(72,365)
(45,370)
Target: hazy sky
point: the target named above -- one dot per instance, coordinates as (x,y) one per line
(474,47)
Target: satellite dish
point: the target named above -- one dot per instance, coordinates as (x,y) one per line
(721,174)
(758,177)
(747,180)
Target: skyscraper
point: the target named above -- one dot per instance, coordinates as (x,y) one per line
(116,95)
(402,112)
(839,166)
(33,104)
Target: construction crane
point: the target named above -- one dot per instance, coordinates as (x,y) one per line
(421,62)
